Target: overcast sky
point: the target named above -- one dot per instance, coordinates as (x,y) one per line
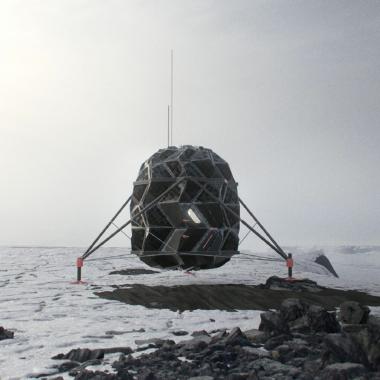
(288,92)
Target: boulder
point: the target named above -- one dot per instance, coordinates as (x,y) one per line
(81,355)
(156,341)
(6,334)
(368,338)
(146,375)
(352,312)
(97,375)
(123,374)
(346,371)
(113,350)
(275,341)
(256,336)
(216,338)
(300,347)
(237,376)
(273,323)
(197,343)
(180,333)
(374,346)
(82,366)
(236,337)
(342,348)
(66,366)
(259,352)
(278,283)
(292,309)
(273,367)
(320,320)
(300,325)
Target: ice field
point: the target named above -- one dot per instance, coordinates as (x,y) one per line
(50,315)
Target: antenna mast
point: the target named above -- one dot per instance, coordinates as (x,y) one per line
(168,125)
(171,98)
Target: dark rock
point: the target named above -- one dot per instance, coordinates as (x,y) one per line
(237,376)
(256,336)
(300,348)
(113,332)
(300,325)
(123,374)
(95,375)
(273,323)
(236,337)
(180,333)
(283,353)
(313,366)
(122,362)
(343,371)
(297,362)
(292,309)
(196,344)
(259,352)
(320,320)
(272,367)
(66,366)
(374,346)
(277,283)
(200,333)
(42,375)
(342,348)
(81,355)
(156,341)
(217,337)
(353,313)
(113,350)
(74,371)
(283,348)
(275,341)
(168,345)
(368,338)
(353,329)
(6,334)
(146,347)
(147,375)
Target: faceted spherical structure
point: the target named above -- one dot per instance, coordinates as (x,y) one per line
(191,226)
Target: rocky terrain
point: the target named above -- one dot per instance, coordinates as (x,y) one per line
(235,296)
(299,341)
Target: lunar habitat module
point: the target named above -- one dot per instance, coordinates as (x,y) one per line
(185,213)
(189,226)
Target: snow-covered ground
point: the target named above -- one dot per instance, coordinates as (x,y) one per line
(50,315)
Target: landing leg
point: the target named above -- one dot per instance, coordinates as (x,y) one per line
(289,264)
(79,265)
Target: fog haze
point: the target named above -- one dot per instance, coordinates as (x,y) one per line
(286,91)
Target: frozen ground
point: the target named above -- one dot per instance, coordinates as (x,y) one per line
(50,315)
